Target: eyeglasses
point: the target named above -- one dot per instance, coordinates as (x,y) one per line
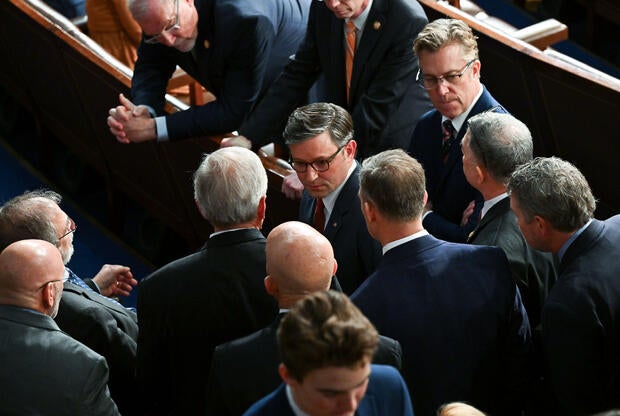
(72,228)
(430,82)
(320,165)
(151,40)
(65,277)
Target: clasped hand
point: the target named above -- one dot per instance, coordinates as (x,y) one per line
(131,123)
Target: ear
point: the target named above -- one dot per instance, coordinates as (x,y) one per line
(351,148)
(425,197)
(475,68)
(369,211)
(481,174)
(199,210)
(286,376)
(270,285)
(335,267)
(261,210)
(541,225)
(48,295)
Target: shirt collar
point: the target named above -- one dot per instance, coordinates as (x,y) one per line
(459,120)
(360,21)
(403,240)
(572,238)
(330,200)
(489,203)
(228,231)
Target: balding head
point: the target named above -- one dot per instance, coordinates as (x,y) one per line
(31,276)
(300,260)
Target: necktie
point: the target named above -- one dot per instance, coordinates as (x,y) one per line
(447,130)
(350,53)
(319,215)
(76,280)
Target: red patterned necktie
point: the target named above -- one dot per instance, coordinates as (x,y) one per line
(447,130)
(319,215)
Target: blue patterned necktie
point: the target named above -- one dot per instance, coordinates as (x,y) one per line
(76,280)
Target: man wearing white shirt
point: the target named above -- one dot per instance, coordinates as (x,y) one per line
(320,140)
(453,307)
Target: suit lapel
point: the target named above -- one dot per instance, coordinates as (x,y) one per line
(582,243)
(346,198)
(496,211)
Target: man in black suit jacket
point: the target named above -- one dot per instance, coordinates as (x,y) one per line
(581,316)
(494,146)
(234,48)
(44,371)
(193,304)
(450,72)
(97,321)
(320,139)
(300,261)
(453,307)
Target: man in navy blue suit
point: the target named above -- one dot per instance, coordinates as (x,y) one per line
(320,139)
(234,48)
(581,316)
(453,307)
(450,72)
(326,345)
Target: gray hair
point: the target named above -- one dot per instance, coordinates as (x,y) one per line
(313,119)
(141,9)
(500,143)
(394,183)
(21,218)
(442,32)
(228,186)
(555,190)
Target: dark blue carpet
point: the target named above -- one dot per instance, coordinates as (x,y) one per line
(94,246)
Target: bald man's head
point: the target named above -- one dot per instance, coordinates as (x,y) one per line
(31,276)
(300,260)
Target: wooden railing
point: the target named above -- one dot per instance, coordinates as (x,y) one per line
(570,107)
(69,83)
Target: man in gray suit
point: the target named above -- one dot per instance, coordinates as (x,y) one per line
(44,371)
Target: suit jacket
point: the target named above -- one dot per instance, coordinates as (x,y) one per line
(532,270)
(581,322)
(110,330)
(46,372)
(241,47)
(385,101)
(448,189)
(386,395)
(356,252)
(459,318)
(190,306)
(256,357)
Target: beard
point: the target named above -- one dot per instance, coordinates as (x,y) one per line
(67,253)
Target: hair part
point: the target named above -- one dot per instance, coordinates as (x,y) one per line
(21,218)
(228,186)
(500,143)
(325,329)
(555,190)
(443,32)
(394,183)
(313,119)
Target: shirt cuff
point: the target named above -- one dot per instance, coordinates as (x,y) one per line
(162,129)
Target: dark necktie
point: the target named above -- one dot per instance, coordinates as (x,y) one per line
(319,215)
(447,130)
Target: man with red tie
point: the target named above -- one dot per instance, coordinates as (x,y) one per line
(320,140)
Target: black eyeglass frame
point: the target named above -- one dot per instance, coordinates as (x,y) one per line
(304,169)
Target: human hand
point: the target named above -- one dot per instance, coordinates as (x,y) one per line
(467,213)
(240,141)
(115,280)
(131,123)
(292,186)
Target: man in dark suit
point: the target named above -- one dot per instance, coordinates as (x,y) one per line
(320,139)
(326,345)
(494,145)
(97,321)
(193,304)
(450,72)
(581,316)
(300,261)
(44,371)
(453,307)
(234,48)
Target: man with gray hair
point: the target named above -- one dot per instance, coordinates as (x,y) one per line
(494,146)
(215,295)
(581,316)
(454,308)
(320,140)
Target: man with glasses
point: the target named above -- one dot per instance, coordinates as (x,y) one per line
(44,371)
(450,72)
(234,48)
(86,315)
(320,140)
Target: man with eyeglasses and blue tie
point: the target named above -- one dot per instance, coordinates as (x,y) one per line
(320,140)
(44,370)
(88,316)
(450,72)
(234,48)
